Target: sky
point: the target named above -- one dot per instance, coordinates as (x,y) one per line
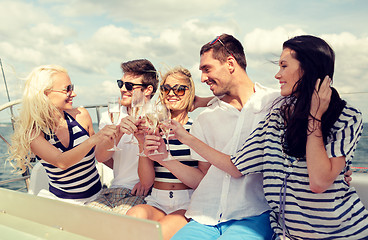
(92,38)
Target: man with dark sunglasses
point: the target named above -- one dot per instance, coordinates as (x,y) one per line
(125,190)
(223,206)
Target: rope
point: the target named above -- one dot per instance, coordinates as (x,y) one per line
(4,140)
(359,169)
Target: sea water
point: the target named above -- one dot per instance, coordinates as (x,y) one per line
(7,172)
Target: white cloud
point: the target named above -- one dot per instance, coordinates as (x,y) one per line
(152,14)
(170,37)
(16,15)
(351,61)
(29,36)
(49,33)
(92,38)
(262,41)
(262,45)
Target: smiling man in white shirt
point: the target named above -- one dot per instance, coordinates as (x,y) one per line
(223,206)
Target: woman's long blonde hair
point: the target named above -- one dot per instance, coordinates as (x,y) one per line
(37,115)
(182,74)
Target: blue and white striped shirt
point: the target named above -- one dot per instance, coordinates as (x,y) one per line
(80,180)
(181,153)
(337,213)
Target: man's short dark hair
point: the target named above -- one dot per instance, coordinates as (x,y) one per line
(144,68)
(221,53)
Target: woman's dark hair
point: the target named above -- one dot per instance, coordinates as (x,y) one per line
(317,60)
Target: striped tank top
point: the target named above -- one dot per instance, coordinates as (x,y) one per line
(80,180)
(181,153)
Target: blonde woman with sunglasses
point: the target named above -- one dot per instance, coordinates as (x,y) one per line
(59,136)
(173,181)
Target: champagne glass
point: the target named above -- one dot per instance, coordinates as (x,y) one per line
(164,118)
(136,108)
(147,108)
(151,117)
(113,108)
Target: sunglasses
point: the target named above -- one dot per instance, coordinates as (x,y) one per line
(129,85)
(178,90)
(217,39)
(68,90)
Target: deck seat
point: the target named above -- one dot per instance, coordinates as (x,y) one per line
(39,179)
(360,183)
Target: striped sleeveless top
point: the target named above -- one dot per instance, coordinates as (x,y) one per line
(80,180)
(181,153)
(298,212)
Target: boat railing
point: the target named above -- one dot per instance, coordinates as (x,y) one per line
(13,180)
(98,109)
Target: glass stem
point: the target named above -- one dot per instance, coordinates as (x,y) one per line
(168,145)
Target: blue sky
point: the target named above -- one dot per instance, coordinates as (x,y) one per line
(92,38)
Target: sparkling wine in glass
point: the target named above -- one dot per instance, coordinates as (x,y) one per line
(164,118)
(138,101)
(147,108)
(113,108)
(151,119)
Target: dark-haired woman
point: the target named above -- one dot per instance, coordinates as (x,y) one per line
(303,148)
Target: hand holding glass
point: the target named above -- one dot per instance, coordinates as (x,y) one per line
(164,118)
(151,117)
(136,108)
(113,108)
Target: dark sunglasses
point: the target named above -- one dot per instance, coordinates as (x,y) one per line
(128,85)
(217,39)
(68,90)
(178,90)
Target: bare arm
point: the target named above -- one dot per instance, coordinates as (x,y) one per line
(126,126)
(348,176)
(217,158)
(109,163)
(146,171)
(101,153)
(200,102)
(322,170)
(188,175)
(213,156)
(45,150)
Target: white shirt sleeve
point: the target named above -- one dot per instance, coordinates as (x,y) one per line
(197,131)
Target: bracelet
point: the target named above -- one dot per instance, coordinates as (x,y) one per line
(311,118)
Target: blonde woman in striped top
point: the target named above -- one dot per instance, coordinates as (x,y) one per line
(60,136)
(173,181)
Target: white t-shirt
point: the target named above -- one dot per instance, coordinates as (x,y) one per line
(220,197)
(126,160)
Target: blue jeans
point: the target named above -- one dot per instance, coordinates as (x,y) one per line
(257,227)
